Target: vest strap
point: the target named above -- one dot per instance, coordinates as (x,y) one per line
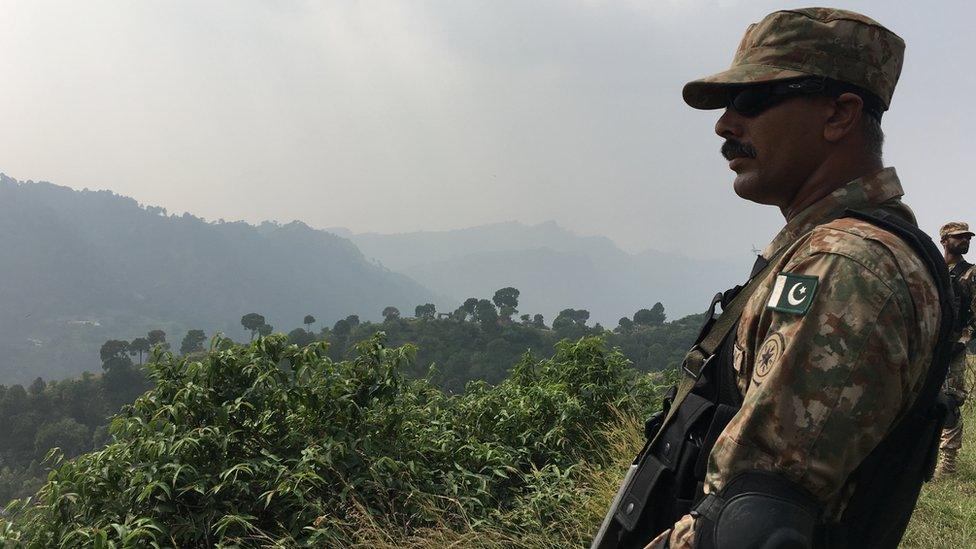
(703,352)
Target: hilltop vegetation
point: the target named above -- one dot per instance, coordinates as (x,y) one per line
(480,341)
(273,444)
(482,345)
(276,444)
(554,267)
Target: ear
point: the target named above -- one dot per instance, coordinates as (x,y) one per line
(842,121)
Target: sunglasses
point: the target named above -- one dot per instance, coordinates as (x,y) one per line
(753,100)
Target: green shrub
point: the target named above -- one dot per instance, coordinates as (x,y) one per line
(275,444)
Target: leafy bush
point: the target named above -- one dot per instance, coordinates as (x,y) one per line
(276,444)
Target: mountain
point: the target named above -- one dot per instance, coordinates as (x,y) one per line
(553,268)
(81,267)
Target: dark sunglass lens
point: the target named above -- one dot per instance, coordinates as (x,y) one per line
(750,101)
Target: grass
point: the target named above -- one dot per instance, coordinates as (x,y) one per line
(945,515)
(569,520)
(946,511)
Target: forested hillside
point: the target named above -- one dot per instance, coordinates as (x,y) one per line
(81,267)
(86,266)
(482,345)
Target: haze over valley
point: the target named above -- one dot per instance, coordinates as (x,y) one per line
(87,266)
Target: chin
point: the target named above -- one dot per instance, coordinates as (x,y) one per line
(755,186)
(746,187)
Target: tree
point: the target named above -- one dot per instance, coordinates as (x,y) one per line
(486,314)
(121,381)
(309,320)
(301,337)
(526,320)
(139,346)
(506,299)
(571,322)
(265,330)
(342,328)
(624,325)
(469,305)
(114,349)
(539,321)
(353,320)
(425,312)
(390,314)
(67,434)
(650,317)
(37,387)
(658,311)
(253,322)
(157,337)
(577,316)
(192,342)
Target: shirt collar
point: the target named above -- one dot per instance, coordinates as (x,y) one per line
(879,189)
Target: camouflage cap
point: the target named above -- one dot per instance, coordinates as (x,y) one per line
(832,43)
(953,228)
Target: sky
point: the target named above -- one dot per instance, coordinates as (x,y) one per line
(399,116)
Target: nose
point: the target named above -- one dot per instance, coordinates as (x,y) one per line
(729,125)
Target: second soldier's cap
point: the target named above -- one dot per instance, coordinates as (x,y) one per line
(822,42)
(954,228)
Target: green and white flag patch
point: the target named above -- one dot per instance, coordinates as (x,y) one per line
(792,293)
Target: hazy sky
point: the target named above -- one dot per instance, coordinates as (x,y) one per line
(405,115)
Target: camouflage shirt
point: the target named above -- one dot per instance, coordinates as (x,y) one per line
(830,351)
(968,278)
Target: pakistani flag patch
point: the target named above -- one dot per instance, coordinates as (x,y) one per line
(792,293)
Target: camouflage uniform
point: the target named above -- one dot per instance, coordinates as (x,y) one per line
(955,385)
(822,388)
(834,346)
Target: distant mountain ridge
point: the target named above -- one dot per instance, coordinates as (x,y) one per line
(87,266)
(553,268)
(82,267)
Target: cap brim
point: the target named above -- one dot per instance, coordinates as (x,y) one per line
(961,233)
(711,92)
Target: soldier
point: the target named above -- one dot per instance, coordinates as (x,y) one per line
(955,237)
(839,323)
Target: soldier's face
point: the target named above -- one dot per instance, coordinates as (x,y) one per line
(775,151)
(958,245)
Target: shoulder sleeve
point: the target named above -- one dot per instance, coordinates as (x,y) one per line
(826,383)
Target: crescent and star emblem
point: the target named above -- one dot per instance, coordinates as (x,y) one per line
(792,293)
(797,288)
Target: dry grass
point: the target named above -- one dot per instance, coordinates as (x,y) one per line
(945,516)
(572,526)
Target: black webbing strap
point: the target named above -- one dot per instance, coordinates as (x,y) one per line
(877,516)
(925,249)
(703,352)
(958,269)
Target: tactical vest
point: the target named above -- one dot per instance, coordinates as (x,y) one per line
(665,481)
(964,297)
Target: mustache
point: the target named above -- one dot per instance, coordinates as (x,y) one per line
(733,148)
